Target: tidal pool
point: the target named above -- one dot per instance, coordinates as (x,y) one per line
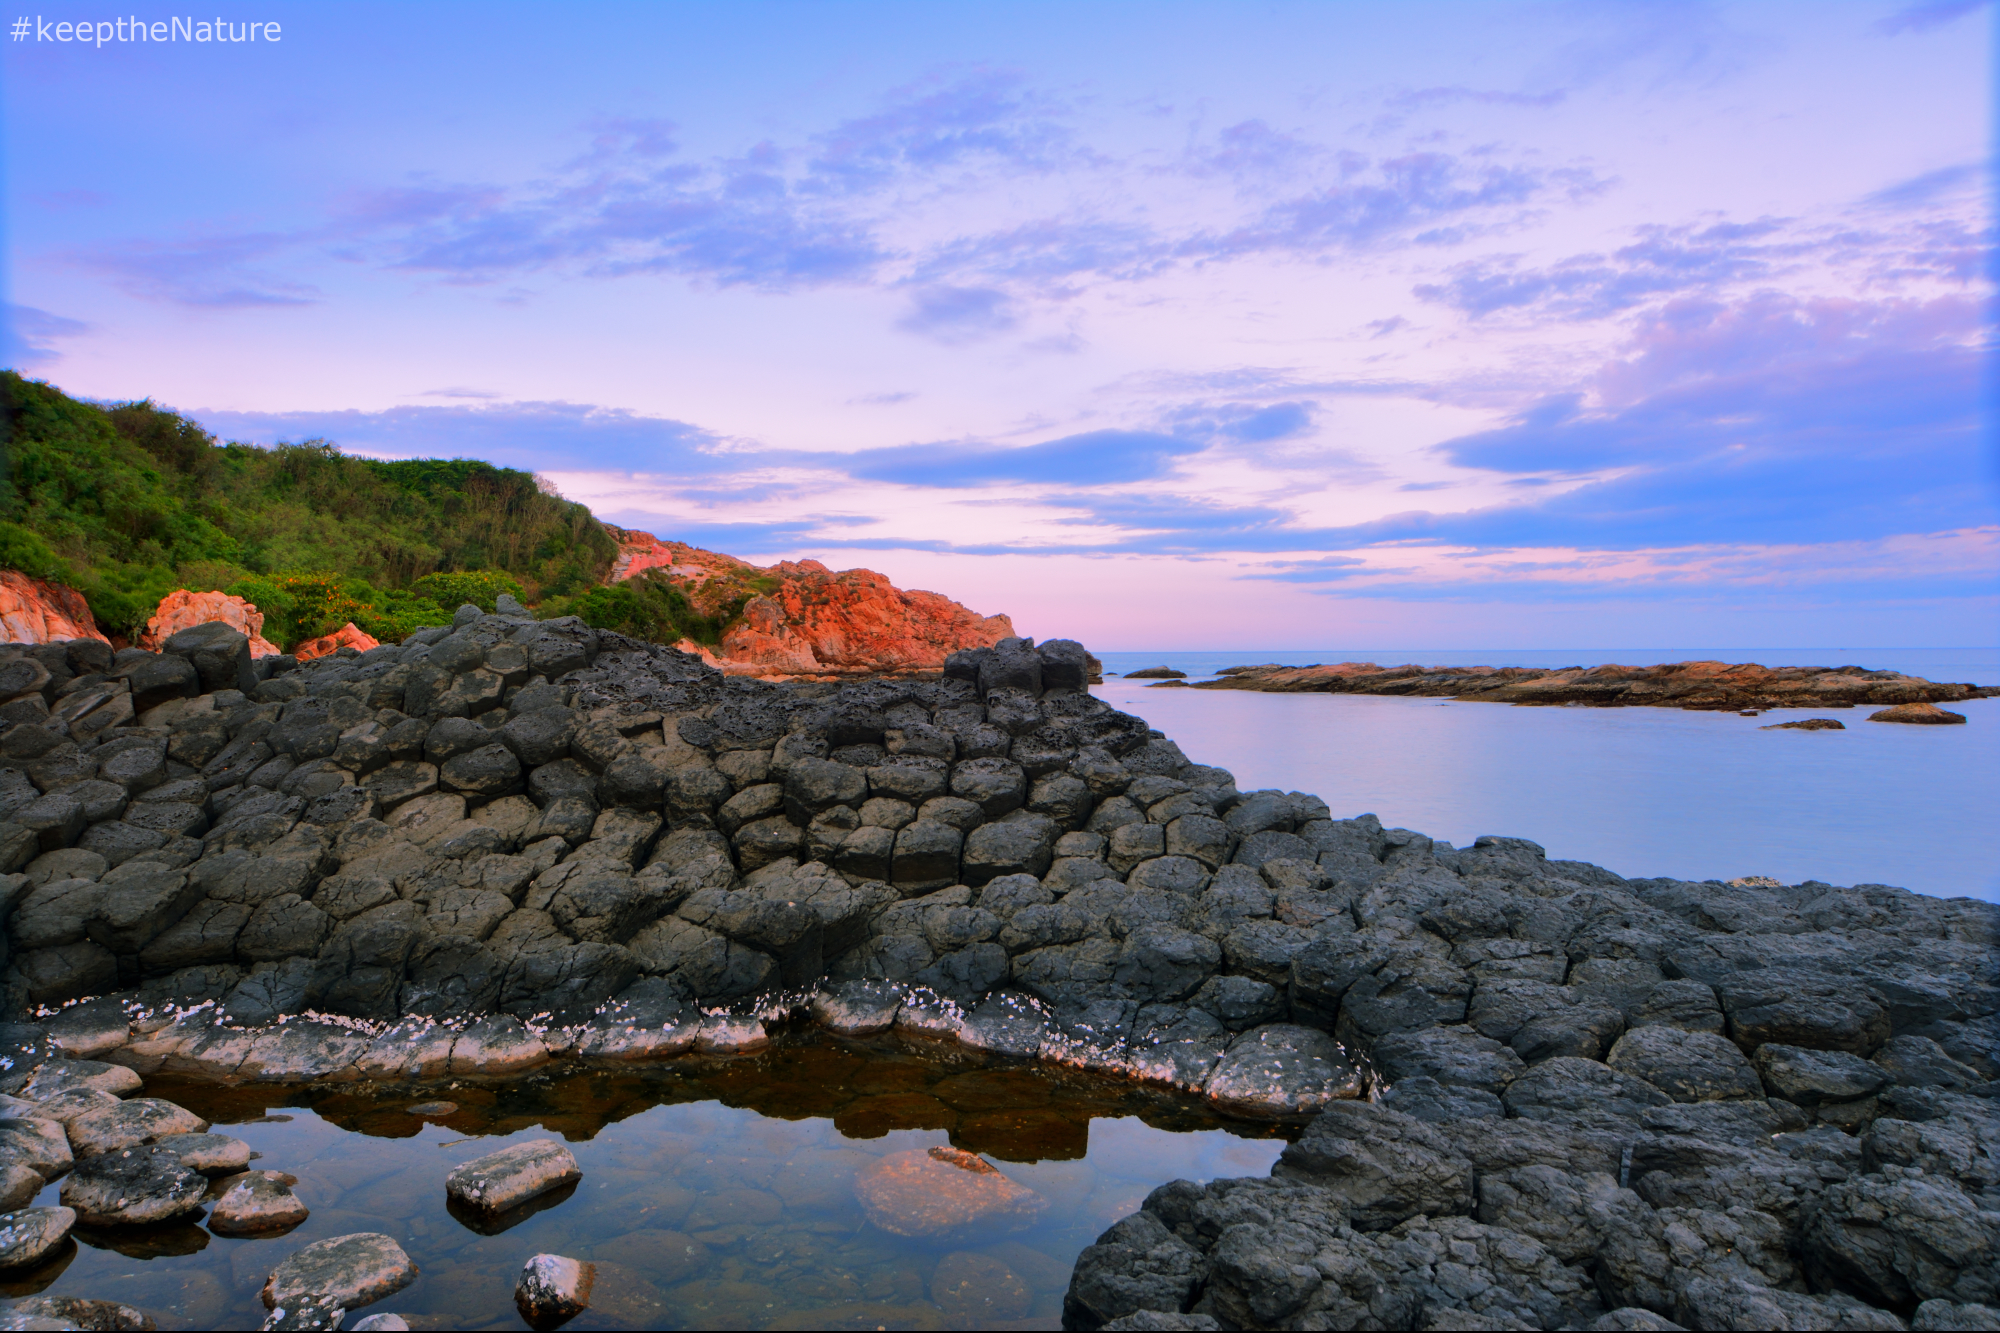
(744,1192)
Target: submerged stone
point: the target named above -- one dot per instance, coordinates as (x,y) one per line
(935,1191)
(511,1177)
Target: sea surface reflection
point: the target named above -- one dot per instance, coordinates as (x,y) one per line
(716,1193)
(1641,791)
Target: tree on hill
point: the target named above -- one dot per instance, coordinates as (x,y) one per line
(127,502)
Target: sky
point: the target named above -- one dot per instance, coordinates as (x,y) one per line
(1156,325)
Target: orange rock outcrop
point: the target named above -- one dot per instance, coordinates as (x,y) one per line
(804,619)
(183,609)
(37,611)
(347,636)
(924,1192)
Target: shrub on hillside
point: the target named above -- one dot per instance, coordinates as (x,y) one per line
(23,550)
(136,501)
(480,587)
(648,606)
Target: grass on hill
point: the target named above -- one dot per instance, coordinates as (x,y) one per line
(127,502)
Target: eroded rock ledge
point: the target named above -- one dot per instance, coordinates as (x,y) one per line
(1697,685)
(1537,1092)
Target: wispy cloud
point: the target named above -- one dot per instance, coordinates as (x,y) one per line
(27,335)
(1927,14)
(935,192)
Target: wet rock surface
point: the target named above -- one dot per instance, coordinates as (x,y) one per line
(344,1273)
(553,1289)
(513,1176)
(506,843)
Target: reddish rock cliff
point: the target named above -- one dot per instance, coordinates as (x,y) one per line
(803,619)
(347,636)
(37,611)
(183,609)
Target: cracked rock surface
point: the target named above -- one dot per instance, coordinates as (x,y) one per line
(1534,1093)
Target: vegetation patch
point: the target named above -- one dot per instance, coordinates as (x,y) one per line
(127,502)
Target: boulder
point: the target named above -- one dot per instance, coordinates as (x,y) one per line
(1281,1071)
(344,1272)
(254,1203)
(29,1235)
(1809,1078)
(134,1186)
(553,1289)
(512,1176)
(183,610)
(1385,1165)
(1687,1066)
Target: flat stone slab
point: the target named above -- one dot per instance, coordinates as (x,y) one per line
(57,1076)
(73,1312)
(27,1235)
(498,1046)
(857,1008)
(42,1146)
(508,1178)
(257,1203)
(68,1105)
(937,1191)
(640,1033)
(727,1034)
(213,1155)
(347,1272)
(1279,1072)
(133,1187)
(141,1120)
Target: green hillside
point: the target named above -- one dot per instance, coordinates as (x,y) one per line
(127,502)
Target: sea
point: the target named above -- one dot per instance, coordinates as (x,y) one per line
(1641,791)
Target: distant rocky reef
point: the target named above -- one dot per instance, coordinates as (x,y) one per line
(1698,685)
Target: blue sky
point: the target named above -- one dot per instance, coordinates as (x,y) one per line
(1156,325)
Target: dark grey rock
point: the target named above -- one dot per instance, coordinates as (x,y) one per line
(1579,1092)
(1899,1239)
(134,1186)
(1808,1077)
(1795,1007)
(996,786)
(1386,1166)
(1687,1066)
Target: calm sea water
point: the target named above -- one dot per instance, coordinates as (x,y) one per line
(716,1193)
(1642,791)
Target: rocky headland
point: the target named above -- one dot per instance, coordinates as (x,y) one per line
(1697,685)
(1533,1093)
(799,620)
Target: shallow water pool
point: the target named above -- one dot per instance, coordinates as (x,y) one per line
(716,1193)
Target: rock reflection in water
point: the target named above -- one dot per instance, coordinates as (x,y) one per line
(717,1193)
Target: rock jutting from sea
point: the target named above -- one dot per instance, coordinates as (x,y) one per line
(1533,1093)
(1697,685)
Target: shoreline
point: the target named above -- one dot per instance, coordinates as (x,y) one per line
(604,848)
